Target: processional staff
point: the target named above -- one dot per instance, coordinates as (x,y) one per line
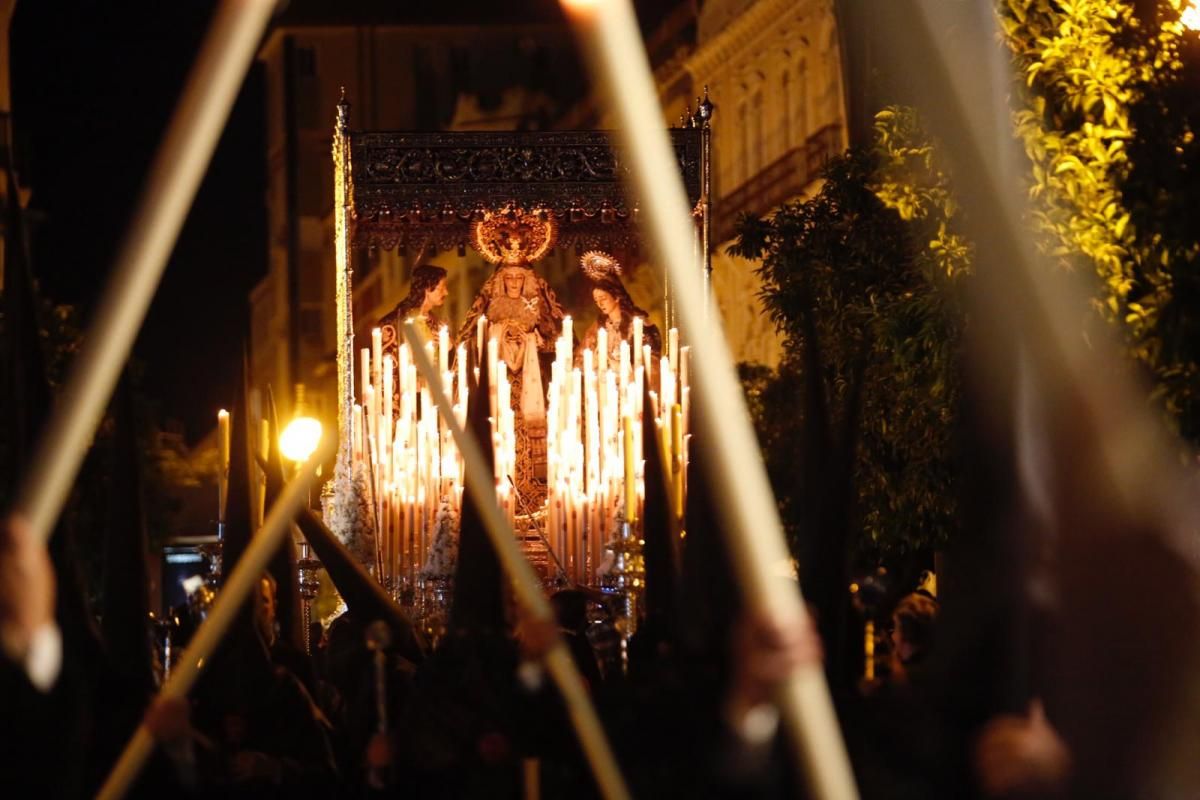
(616,55)
(559,663)
(174,177)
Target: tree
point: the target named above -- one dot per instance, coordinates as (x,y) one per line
(863,281)
(1108,119)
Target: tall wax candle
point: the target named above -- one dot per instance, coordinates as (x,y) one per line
(376,364)
(443,349)
(673,348)
(365,371)
(630,475)
(223,456)
(480,332)
(637,339)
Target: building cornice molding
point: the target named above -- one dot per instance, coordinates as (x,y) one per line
(738,36)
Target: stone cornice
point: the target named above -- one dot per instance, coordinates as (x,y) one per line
(739,35)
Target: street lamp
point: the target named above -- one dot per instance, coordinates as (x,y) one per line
(302,435)
(1191,16)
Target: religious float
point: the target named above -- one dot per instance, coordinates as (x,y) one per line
(566,415)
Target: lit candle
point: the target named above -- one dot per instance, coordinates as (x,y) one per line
(677,462)
(443,349)
(223,456)
(376,363)
(480,331)
(630,475)
(637,339)
(623,364)
(365,372)
(461,363)
(673,348)
(602,350)
(358,432)
(568,330)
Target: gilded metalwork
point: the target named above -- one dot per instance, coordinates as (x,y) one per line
(417,189)
(342,194)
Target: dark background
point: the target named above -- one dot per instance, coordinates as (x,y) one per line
(94,85)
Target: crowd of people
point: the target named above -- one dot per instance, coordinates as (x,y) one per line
(374,711)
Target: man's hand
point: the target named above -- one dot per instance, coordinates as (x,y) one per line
(169,719)
(26,588)
(1021,754)
(765,652)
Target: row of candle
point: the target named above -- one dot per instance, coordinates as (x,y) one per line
(413,467)
(595,464)
(595,470)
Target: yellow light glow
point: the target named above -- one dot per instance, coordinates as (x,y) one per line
(300,438)
(1191,17)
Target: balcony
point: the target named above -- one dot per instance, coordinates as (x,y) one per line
(782,179)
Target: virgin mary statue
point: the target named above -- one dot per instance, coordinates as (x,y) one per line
(525,317)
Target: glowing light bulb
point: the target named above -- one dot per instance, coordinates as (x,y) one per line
(300,438)
(1191,17)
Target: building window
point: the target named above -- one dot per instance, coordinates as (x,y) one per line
(306,61)
(312,327)
(757,148)
(743,162)
(800,103)
(785,131)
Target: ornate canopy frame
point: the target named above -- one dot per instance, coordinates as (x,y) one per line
(425,189)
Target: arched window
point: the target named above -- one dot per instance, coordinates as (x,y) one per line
(800,129)
(785,117)
(757,161)
(742,174)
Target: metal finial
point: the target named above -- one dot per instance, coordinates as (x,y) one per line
(343,109)
(704,109)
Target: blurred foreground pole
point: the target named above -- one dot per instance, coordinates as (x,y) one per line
(1119,528)
(237,587)
(527,588)
(616,56)
(171,186)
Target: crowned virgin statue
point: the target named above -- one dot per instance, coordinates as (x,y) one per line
(524,316)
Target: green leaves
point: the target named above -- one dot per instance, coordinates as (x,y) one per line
(866,275)
(1106,123)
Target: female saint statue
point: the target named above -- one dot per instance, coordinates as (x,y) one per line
(524,316)
(617,309)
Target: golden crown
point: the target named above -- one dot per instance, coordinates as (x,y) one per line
(598,265)
(513,236)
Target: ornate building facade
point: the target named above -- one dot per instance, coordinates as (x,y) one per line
(773,69)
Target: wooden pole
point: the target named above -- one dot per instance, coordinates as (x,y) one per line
(173,180)
(615,53)
(557,659)
(237,588)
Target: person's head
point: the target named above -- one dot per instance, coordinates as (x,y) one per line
(265,608)
(912,627)
(605,301)
(514,280)
(608,292)
(429,285)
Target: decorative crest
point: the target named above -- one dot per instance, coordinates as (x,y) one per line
(598,265)
(513,236)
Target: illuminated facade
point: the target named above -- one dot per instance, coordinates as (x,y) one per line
(773,69)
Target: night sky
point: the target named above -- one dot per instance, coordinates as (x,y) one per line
(93,87)
(94,84)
